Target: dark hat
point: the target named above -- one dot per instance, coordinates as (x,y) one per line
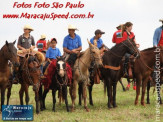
(98,31)
(54,39)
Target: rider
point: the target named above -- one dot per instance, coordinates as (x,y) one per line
(41,43)
(25,42)
(117,36)
(126,31)
(52,53)
(158,36)
(72,45)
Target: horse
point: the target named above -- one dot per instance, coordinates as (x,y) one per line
(81,72)
(143,68)
(30,75)
(7,53)
(59,82)
(111,62)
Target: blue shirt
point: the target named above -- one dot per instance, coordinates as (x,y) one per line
(70,43)
(99,42)
(157,36)
(53,53)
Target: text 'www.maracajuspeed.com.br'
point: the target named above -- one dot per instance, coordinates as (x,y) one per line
(52,16)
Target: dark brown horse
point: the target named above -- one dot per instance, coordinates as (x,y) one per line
(30,75)
(112,58)
(7,53)
(143,68)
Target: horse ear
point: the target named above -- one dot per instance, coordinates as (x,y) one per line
(6,42)
(89,42)
(14,42)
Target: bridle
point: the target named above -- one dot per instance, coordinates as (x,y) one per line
(27,70)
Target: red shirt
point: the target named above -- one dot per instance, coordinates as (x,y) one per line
(126,35)
(117,37)
(161,40)
(41,45)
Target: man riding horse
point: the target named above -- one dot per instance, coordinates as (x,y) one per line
(72,45)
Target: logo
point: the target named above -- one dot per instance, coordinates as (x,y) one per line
(17,112)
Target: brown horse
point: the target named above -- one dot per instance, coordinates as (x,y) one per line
(7,53)
(30,75)
(143,68)
(81,72)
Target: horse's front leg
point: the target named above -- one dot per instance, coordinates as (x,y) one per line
(114,94)
(8,94)
(37,102)
(54,98)
(21,94)
(40,97)
(43,97)
(64,94)
(3,88)
(144,83)
(73,93)
(90,93)
(138,82)
(26,94)
(80,90)
(109,92)
(148,89)
(85,96)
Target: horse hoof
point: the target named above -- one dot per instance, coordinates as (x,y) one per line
(114,106)
(143,104)
(87,110)
(37,112)
(148,102)
(136,103)
(72,110)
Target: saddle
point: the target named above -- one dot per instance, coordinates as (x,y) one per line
(23,54)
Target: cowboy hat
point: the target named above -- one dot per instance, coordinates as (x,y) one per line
(72,27)
(161,20)
(28,27)
(43,36)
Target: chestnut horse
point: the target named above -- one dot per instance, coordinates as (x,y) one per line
(143,68)
(81,72)
(7,53)
(30,75)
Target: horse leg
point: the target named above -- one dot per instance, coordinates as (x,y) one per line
(64,94)
(2,96)
(26,94)
(144,83)
(138,81)
(40,98)
(8,94)
(148,88)
(122,85)
(90,93)
(37,102)
(54,99)
(108,85)
(73,93)
(114,94)
(21,94)
(43,97)
(80,90)
(84,86)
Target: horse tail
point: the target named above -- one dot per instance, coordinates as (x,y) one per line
(60,97)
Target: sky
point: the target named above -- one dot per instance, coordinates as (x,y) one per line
(144,14)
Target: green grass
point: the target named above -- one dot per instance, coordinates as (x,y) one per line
(126,110)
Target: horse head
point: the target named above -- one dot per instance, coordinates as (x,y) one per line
(33,71)
(131,47)
(95,54)
(10,53)
(61,66)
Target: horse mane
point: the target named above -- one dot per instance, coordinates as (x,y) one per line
(40,57)
(149,49)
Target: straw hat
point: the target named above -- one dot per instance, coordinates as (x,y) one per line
(28,27)
(161,20)
(72,27)
(43,36)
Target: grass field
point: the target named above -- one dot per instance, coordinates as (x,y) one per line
(126,110)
